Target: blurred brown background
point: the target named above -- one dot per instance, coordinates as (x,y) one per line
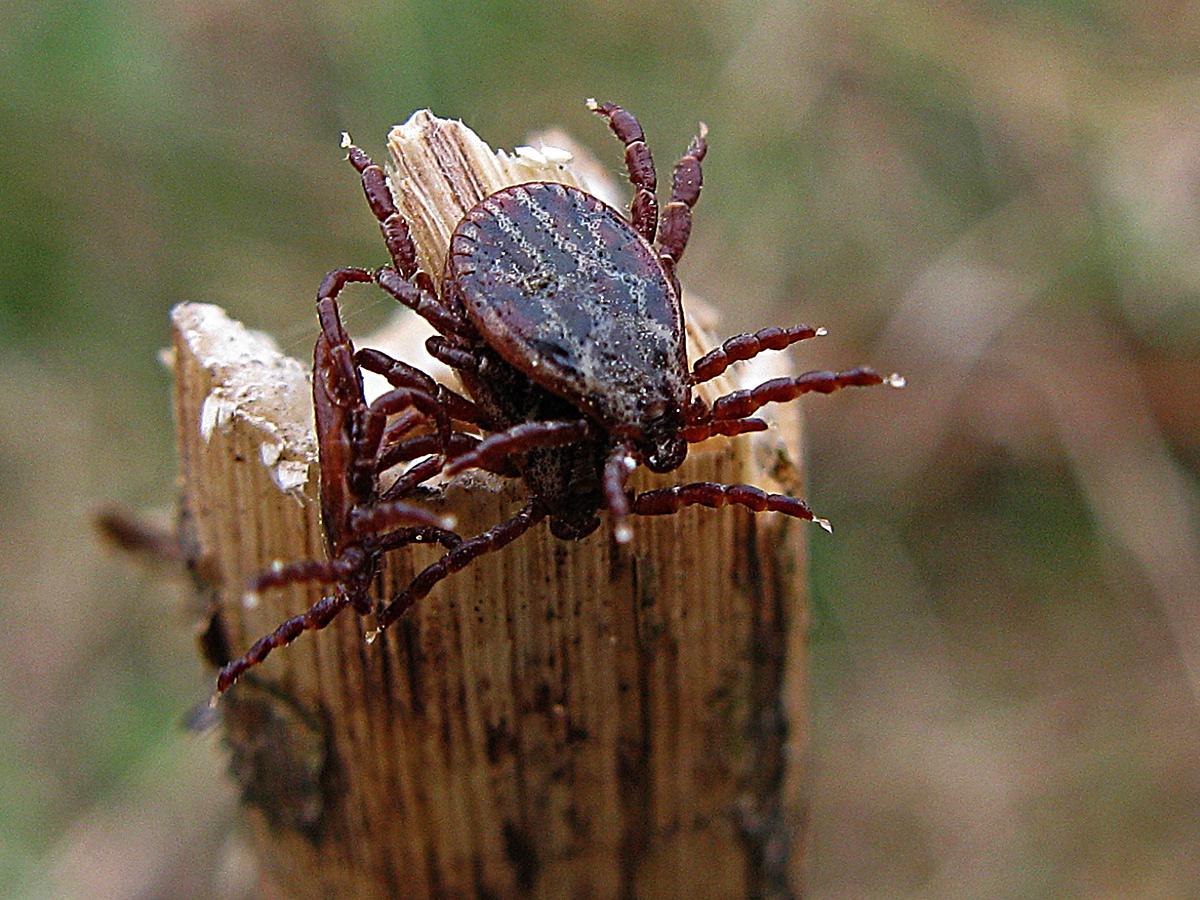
(999,199)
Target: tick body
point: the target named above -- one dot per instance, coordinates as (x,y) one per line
(563,320)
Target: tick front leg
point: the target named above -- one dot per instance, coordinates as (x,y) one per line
(685,191)
(643,211)
(395,230)
(747,346)
(779,390)
(666,501)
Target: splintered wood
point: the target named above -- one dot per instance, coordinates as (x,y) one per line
(556,720)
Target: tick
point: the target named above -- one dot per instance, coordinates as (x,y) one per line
(562,318)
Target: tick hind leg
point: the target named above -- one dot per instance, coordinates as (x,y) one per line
(643,211)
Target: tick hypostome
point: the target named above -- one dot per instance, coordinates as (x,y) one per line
(562,318)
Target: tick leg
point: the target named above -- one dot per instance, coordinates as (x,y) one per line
(747,346)
(455,357)
(341,375)
(400,399)
(643,211)
(422,301)
(401,374)
(314,618)
(685,191)
(779,390)
(303,571)
(496,448)
(460,444)
(379,196)
(492,539)
(379,517)
(617,469)
(665,501)
(413,477)
(694,434)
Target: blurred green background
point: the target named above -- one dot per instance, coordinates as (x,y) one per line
(1001,200)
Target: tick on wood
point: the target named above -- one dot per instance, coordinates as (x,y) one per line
(562,317)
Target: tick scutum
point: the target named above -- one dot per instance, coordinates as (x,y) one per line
(566,292)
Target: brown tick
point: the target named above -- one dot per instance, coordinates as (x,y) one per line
(562,317)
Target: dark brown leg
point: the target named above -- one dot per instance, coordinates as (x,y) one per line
(747,346)
(456,358)
(401,374)
(342,379)
(415,476)
(685,191)
(395,230)
(492,539)
(421,300)
(405,449)
(398,400)
(314,618)
(779,390)
(708,493)
(643,211)
(302,571)
(339,408)
(378,518)
(617,469)
(519,439)
(694,434)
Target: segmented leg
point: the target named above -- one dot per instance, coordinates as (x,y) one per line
(519,439)
(379,196)
(413,477)
(380,517)
(665,501)
(694,434)
(401,374)
(421,300)
(314,618)
(685,191)
(779,390)
(304,571)
(339,407)
(746,346)
(439,348)
(493,539)
(617,469)
(643,211)
(409,448)
(398,400)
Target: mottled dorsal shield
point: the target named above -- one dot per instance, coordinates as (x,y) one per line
(562,287)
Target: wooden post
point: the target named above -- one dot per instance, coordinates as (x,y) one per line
(556,720)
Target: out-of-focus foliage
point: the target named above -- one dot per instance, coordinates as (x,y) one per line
(1001,200)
